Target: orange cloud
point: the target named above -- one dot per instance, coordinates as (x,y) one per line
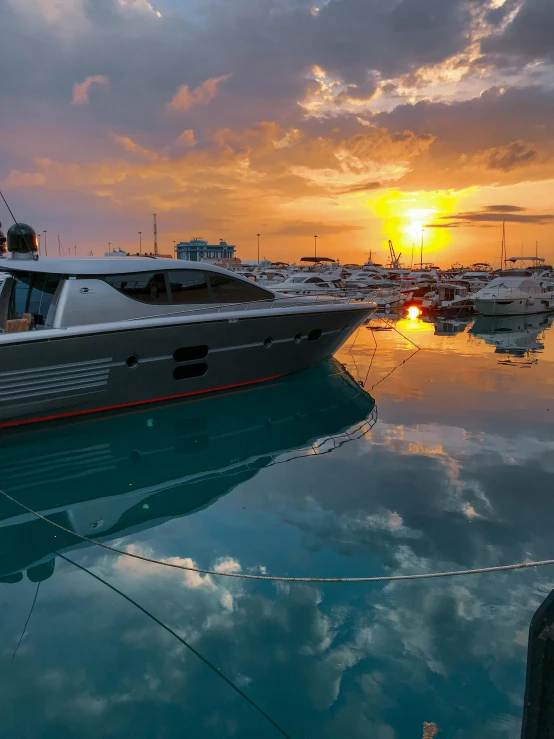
(24,179)
(506,158)
(81,89)
(133,148)
(186,138)
(186,98)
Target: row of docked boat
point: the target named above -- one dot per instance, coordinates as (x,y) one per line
(523,290)
(509,293)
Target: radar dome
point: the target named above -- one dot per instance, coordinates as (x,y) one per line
(22,240)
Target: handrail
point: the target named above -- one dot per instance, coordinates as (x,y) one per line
(284,302)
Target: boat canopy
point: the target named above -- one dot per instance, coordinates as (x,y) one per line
(525,259)
(317,260)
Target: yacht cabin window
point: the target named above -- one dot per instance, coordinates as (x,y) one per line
(32,294)
(147,287)
(225,289)
(186,287)
(189,286)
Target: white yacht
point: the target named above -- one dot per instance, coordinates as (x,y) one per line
(387,299)
(476,280)
(312,283)
(512,296)
(85,335)
(421,277)
(450,299)
(362,279)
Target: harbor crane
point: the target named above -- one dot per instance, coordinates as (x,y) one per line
(394,258)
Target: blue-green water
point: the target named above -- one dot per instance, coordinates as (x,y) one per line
(447,464)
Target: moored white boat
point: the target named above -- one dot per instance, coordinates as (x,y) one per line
(366,280)
(512,296)
(387,299)
(312,283)
(449,299)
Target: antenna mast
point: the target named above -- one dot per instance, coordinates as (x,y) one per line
(155,236)
(503,251)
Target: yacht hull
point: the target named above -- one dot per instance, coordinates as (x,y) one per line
(52,374)
(519,306)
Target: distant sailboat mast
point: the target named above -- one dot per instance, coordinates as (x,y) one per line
(503,248)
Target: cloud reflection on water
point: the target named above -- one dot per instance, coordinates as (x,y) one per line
(453,476)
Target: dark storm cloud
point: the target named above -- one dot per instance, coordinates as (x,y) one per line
(493,214)
(505,158)
(364,187)
(494,118)
(303,228)
(352,36)
(503,208)
(267,46)
(454,224)
(103,13)
(529,36)
(488,216)
(485,140)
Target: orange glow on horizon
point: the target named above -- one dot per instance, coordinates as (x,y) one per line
(406,217)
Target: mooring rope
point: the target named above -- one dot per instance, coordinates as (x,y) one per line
(277,578)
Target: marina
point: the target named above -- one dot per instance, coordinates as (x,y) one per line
(277,369)
(408,453)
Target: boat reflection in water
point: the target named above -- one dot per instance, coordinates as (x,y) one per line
(111,475)
(514,335)
(449,327)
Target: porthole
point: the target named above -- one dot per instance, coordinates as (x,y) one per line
(298,338)
(190,353)
(132,361)
(188,371)
(268,343)
(315,334)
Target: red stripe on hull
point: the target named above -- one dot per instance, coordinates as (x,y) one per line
(135,403)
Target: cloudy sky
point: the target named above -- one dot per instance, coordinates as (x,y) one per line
(356,120)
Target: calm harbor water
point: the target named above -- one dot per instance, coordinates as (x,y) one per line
(444,461)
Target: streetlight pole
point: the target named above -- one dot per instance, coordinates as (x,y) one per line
(109,247)
(140,242)
(258,235)
(421,252)
(315,247)
(45,249)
